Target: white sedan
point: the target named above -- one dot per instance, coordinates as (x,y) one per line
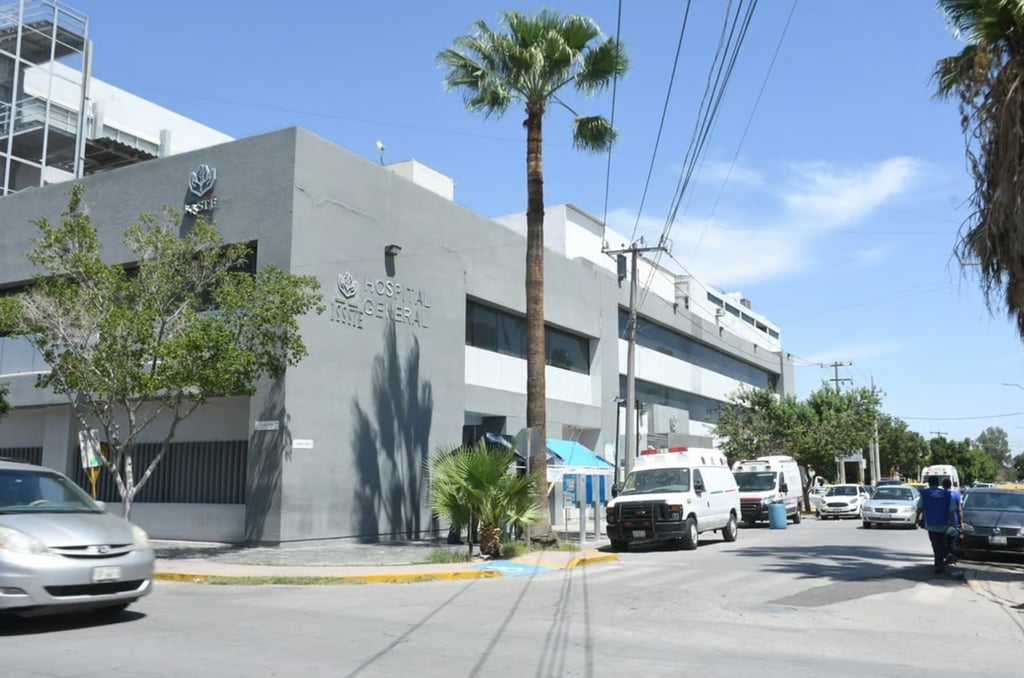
(843,501)
(891,505)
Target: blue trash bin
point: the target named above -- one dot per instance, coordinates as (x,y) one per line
(777,516)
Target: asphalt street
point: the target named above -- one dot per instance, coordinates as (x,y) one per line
(821,598)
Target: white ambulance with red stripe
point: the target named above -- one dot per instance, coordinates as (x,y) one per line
(675,494)
(775,479)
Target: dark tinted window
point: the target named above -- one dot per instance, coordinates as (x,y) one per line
(496,330)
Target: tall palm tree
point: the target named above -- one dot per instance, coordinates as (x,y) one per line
(987,80)
(530,62)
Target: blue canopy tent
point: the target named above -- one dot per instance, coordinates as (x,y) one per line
(576,460)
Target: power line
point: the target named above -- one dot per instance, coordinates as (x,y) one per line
(611,122)
(661,125)
(982,416)
(746,128)
(714,94)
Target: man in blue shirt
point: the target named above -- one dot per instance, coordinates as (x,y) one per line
(958,520)
(936,507)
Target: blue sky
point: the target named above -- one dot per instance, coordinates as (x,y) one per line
(832,201)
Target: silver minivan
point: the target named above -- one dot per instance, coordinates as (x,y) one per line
(60,551)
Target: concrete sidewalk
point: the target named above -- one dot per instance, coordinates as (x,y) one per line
(1001,583)
(348,564)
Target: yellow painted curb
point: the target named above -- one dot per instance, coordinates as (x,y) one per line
(383,578)
(590,560)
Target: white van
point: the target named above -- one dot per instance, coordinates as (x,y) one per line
(674,493)
(942,471)
(768,480)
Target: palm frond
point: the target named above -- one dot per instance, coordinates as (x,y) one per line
(593,133)
(987,80)
(600,66)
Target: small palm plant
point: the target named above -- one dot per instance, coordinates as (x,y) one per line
(475,483)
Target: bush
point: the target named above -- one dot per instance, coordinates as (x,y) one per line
(440,556)
(514,549)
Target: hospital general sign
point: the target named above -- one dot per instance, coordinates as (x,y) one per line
(359,301)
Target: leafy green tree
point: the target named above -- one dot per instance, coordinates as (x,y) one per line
(944,451)
(135,345)
(985,79)
(1018,466)
(996,444)
(841,422)
(757,422)
(972,463)
(899,448)
(479,483)
(531,63)
(975,465)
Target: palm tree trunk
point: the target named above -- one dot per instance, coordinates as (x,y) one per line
(536,390)
(490,539)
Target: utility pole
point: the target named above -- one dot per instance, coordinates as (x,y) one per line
(876,460)
(632,425)
(835,366)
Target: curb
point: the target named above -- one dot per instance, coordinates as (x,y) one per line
(376,578)
(592,559)
(309,580)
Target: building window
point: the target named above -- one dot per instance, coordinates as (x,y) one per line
(715,300)
(664,340)
(496,330)
(747,319)
(699,408)
(733,310)
(772,333)
(566,350)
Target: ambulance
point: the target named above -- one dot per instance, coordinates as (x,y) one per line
(674,494)
(775,479)
(942,471)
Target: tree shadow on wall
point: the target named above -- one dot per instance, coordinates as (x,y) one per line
(390,442)
(263,477)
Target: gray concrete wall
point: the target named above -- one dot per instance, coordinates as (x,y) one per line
(375,397)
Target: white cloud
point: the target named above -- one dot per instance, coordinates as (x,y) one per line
(871,256)
(830,197)
(856,352)
(777,237)
(719,172)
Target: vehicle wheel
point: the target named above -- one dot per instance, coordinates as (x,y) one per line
(797,517)
(691,535)
(619,545)
(867,525)
(730,531)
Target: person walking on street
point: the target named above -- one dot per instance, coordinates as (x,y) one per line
(958,520)
(936,508)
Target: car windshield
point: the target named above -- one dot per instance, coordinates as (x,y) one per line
(657,480)
(755,481)
(901,493)
(41,492)
(994,501)
(842,491)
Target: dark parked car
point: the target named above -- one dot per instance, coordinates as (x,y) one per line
(993,521)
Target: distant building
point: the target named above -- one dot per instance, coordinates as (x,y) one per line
(45,84)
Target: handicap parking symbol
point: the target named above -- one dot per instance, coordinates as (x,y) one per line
(509,568)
